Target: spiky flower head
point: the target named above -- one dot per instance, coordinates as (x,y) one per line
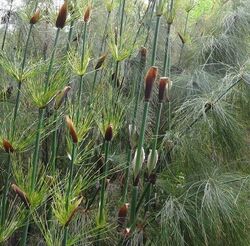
(35,18)
(72,130)
(149,81)
(62,16)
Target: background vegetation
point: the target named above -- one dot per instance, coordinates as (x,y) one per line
(125,122)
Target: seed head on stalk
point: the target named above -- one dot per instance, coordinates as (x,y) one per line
(87,14)
(149,81)
(35,18)
(62,16)
(22,195)
(72,130)
(109,133)
(122,214)
(60,96)
(164,81)
(100,61)
(7,146)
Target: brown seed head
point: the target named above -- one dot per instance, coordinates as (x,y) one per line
(100,61)
(149,81)
(35,18)
(7,146)
(22,195)
(62,16)
(72,130)
(162,88)
(109,133)
(87,14)
(122,214)
(60,96)
(143,54)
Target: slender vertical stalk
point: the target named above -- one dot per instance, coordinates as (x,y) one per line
(79,98)
(17,101)
(184,33)
(69,189)
(126,178)
(101,215)
(5,191)
(154,146)
(51,61)
(7,25)
(54,144)
(158,20)
(137,164)
(37,147)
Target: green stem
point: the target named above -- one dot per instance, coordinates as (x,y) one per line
(70,35)
(154,147)
(185,31)
(101,215)
(166,57)
(133,207)
(142,133)
(129,158)
(69,190)
(158,20)
(17,101)
(122,18)
(7,25)
(51,61)
(37,148)
(26,229)
(138,161)
(54,144)
(5,191)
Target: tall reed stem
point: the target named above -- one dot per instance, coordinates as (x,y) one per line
(158,20)
(7,25)
(5,191)
(81,77)
(154,146)
(69,189)
(101,214)
(137,164)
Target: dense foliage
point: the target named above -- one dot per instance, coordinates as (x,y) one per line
(125,122)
